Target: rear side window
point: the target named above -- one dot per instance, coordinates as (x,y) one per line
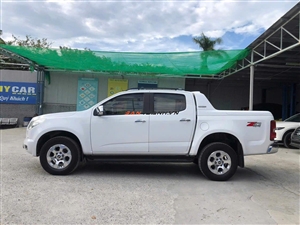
(169,103)
(125,105)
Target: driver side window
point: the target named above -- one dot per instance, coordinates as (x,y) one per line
(125,105)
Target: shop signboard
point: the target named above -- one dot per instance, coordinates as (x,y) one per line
(147,84)
(116,85)
(18,93)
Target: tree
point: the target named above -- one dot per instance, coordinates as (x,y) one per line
(208,46)
(6,62)
(2,42)
(30,42)
(206,43)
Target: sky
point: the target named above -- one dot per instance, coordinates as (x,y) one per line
(140,25)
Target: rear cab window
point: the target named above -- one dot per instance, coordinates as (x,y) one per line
(168,103)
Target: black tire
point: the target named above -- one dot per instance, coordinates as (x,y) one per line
(218,161)
(60,156)
(287,140)
(195,161)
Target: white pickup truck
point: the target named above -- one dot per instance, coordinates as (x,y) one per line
(152,126)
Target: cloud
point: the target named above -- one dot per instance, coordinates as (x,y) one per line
(137,25)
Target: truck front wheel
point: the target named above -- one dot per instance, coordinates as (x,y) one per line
(287,140)
(60,156)
(218,161)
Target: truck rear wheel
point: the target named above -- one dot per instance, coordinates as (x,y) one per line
(60,156)
(218,161)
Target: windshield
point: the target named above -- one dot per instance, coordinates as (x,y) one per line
(294,118)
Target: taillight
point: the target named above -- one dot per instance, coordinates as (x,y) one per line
(272,130)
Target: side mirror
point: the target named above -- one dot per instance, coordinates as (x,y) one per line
(99,111)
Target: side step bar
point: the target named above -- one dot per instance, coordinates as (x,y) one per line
(140,158)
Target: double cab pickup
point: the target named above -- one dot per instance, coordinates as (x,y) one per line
(152,126)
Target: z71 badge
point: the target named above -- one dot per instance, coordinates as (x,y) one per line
(254,124)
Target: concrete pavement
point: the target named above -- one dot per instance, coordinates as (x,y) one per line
(266,191)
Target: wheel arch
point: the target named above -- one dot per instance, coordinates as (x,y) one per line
(288,131)
(227,138)
(47,136)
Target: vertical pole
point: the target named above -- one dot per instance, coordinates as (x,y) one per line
(293,99)
(41,84)
(38,92)
(299,26)
(284,102)
(251,83)
(251,87)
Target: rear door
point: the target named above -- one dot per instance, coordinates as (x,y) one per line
(172,123)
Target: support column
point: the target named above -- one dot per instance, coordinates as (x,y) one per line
(251,87)
(284,102)
(40,92)
(37,92)
(293,100)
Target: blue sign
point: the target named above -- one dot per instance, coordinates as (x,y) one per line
(17,93)
(147,84)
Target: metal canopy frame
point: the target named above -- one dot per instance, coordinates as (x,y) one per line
(22,61)
(29,64)
(286,37)
(275,55)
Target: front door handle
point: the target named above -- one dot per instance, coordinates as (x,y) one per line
(140,121)
(185,120)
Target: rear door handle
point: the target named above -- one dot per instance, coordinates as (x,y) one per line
(185,120)
(140,121)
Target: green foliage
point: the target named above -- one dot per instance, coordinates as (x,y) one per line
(206,43)
(208,46)
(30,42)
(2,42)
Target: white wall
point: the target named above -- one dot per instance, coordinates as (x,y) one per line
(18,76)
(61,93)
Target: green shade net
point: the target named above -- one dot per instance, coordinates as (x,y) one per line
(171,63)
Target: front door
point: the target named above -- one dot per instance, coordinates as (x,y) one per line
(123,129)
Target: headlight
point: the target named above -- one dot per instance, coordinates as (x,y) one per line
(279,128)
(34,122)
